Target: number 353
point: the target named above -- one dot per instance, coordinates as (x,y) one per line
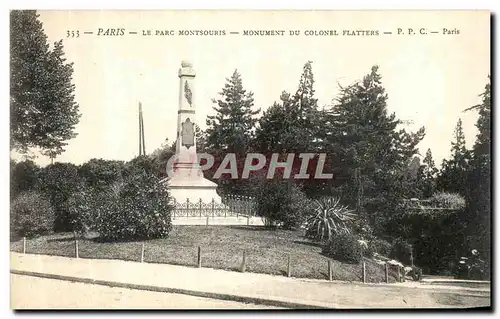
(72,34)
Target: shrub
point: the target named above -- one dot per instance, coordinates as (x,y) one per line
(31,215)
(83,207)
(137,208)
(100,173)
(23,177)
(401,251)
(282,202)
(58,182)
(380,246)
(142,164)
(345,248)
(329,218)
(448,200)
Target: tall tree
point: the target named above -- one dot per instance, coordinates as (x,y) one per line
(291,126)
(453,175)
(479,180)
(373,155)
(428,177)
(43,110)
(231,128)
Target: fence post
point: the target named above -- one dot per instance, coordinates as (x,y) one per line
(364,272)
(213,207)
(24,245)
(244,262)
(175,207)
(386,273)
(248,220)
(330,269)
(76,248)
(207,221)
(142,253)
(199,257)
(289,268)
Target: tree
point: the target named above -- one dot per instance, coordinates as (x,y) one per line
(230,129)
(23,177)
(100,173)
(453,175)
(428,177)
(59,182)
(161,156)
(43,110)
(371,154)
(478,194)
(291,126)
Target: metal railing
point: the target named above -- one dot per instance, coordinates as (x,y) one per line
(232,205)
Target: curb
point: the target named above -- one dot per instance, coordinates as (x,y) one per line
(203,294)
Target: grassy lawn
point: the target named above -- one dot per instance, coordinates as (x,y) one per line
(222,247)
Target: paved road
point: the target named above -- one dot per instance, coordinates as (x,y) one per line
(277,290)
(39,293)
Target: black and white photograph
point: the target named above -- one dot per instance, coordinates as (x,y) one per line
(250,159)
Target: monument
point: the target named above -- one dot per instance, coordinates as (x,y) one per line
(187,181)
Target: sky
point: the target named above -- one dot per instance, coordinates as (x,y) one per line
(430,79)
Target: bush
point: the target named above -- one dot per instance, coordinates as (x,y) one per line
(401,251)
(345,248)
(142,165)
(23,177)
(31,215)
(282,202)
(83,207)
(58,182)
(99,173)
(329,217)
(448,200)
(380,246)
(138,208)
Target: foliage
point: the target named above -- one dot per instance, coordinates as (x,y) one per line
(83,207)
(291,126)
(478,193)
(381,247)
(100,173)
(23,177)
(328,218)
(43,110)
(58,182)
(282,202)
(448,200)
(370,154)
(453,174)
(161,156)
(344,247)
(428,176)
(142,165)
(230,129)
(31,215)
(137,208)
(401,251)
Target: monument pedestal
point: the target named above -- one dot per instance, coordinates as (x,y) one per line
(193,187)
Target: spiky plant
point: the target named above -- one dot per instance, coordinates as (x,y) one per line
(329,217)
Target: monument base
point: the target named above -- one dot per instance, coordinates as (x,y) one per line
(193,188)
